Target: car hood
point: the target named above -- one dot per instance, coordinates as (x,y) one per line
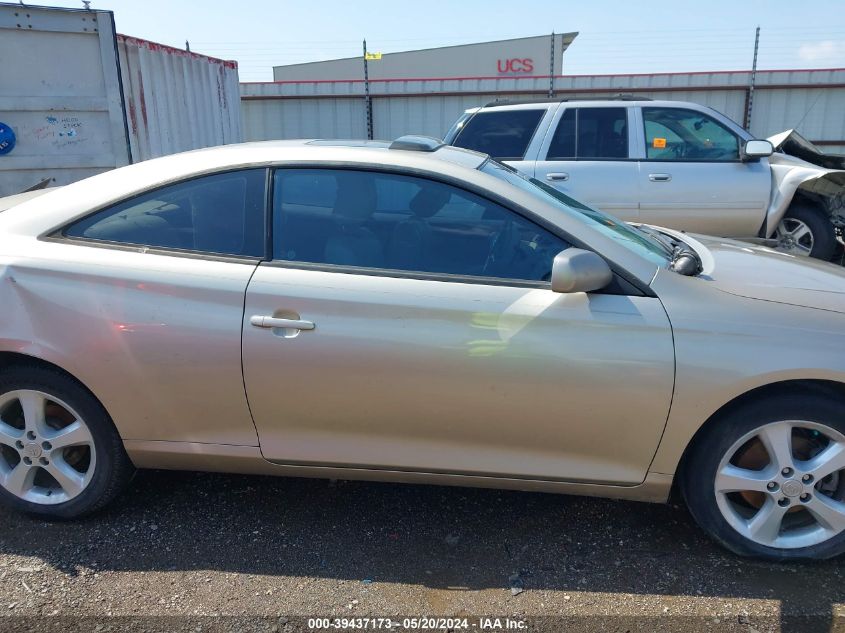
(792,143)
(757,272)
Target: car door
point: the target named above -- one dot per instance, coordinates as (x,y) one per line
(150,297)
(585,155)
(691,176)
(439,347)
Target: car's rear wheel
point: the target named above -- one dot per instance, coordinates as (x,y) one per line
(806,230)
(768,480)
(60,455)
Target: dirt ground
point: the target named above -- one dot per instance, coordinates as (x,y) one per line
(199,552)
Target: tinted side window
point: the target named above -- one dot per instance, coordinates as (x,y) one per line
(438,229)
(677,134)
(221,214)
(504,134)
(590,133)
(602,133)
(563,141)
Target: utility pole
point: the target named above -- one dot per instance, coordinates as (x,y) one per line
(552,67)
(367,103)
(751,82)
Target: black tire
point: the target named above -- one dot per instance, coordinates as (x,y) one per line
(113,469)
(699,470)
(818,221)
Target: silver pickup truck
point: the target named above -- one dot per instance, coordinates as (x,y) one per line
(673,164)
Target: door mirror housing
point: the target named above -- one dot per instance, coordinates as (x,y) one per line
(577,270)
(754,150)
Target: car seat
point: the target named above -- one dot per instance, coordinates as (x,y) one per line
(411,239)
(350,242)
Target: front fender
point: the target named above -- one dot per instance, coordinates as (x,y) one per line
(814,172)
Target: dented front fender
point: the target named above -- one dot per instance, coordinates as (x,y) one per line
(791,174)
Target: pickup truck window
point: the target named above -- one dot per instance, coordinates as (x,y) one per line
(503,134)
(590,133)
(676,134)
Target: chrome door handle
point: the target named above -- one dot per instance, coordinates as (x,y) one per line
(273,322)
(660,177)
(560,175)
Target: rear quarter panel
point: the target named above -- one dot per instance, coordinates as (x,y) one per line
(155,338)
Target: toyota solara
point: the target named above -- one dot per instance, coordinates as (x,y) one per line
(416,313)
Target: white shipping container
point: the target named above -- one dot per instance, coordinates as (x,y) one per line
(81,99)
(60,95)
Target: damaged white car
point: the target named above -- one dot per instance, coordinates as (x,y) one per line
(672,164)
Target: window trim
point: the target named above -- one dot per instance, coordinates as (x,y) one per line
(59,234)
(156,250)
(739,140)
(395,273)
(618,287)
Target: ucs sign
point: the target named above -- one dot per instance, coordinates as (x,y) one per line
(515,65)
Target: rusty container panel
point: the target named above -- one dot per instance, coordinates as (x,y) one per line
(177,100)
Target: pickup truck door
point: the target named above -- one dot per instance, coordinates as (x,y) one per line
(585,154)
(691,176)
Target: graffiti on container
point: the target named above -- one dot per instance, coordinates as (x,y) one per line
(60,132)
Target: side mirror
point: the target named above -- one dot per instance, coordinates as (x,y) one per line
(577,270)
(752,150)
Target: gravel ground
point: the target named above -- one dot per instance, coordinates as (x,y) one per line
(190,545)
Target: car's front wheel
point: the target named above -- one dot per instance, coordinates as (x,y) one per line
(768,480)
(60,455)
(806,230)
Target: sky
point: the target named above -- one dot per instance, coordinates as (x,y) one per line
(615,36)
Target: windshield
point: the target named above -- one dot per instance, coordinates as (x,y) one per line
(632,238)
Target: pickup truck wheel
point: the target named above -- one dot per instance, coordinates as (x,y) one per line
(806,230)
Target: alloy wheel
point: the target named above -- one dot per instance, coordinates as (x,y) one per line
(47,453)
(794,237)
(783,486)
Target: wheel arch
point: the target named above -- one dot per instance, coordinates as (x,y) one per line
(796,388)
(18,359)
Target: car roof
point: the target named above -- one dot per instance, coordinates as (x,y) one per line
(617,97)
(353,150)
(118,184)
(588,102)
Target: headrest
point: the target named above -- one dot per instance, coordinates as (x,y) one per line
(356,196)
(218,217)
(429,200)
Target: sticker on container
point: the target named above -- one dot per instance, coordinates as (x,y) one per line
(659,143)
(7,139)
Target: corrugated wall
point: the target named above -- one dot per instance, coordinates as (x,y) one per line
(303,118)
(811,101)
(177,100)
